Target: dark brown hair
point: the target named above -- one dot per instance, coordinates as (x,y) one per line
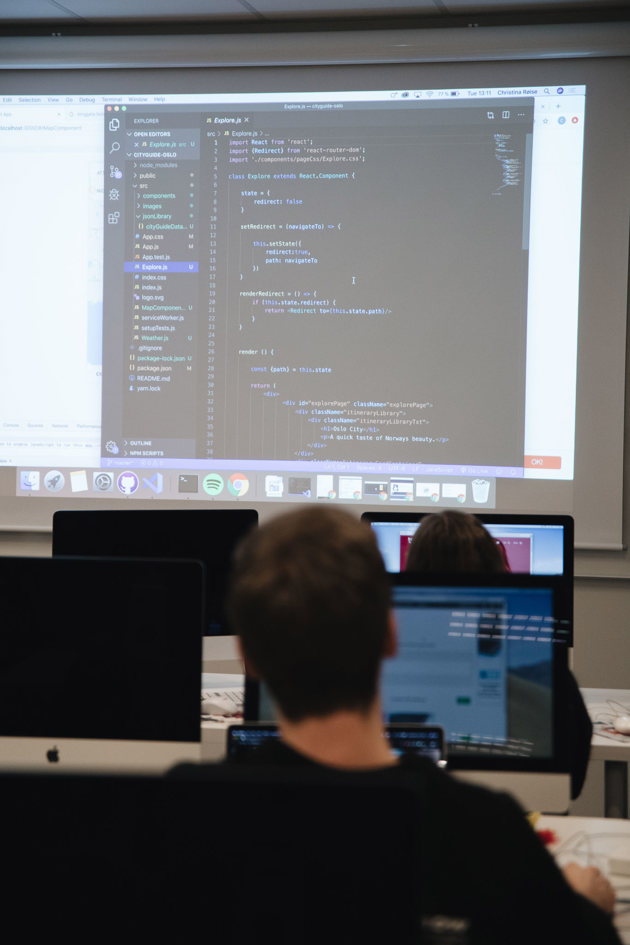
(453,541)
(309,598)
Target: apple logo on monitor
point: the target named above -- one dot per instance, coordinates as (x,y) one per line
(52,755)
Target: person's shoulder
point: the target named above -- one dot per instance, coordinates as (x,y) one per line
(442,787)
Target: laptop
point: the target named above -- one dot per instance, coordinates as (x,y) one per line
(244,741)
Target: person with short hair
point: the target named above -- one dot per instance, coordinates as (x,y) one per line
(310,603)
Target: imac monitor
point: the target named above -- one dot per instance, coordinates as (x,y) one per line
(100,660)
(483,657)
(533,544)
(206,535)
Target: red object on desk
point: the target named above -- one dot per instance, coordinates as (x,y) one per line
(547,836)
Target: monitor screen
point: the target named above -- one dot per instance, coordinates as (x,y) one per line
(100,664)
(207,535)
(478,657)
(534,544)
(482,657)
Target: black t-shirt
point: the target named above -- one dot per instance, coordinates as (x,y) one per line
(480,859)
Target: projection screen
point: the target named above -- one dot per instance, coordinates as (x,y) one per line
(389,285)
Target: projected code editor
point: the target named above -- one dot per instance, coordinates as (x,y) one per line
(345,283)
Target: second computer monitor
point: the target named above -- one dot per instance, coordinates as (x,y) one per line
(533,544)
(206,535)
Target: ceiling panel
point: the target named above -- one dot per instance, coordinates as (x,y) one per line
(329,8)
(71,11)
(76,13)
(150,10)
(512,6)
(33,10)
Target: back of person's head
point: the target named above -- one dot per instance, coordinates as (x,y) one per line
(454,541)
(309,599)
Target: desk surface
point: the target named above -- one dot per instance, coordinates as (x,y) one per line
(214,733)
(603,706)
(596,841)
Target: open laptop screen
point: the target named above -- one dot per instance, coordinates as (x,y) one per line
(249,738)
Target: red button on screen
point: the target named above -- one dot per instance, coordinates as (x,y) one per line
(543,462)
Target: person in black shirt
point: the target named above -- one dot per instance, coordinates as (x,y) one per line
(310,603)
